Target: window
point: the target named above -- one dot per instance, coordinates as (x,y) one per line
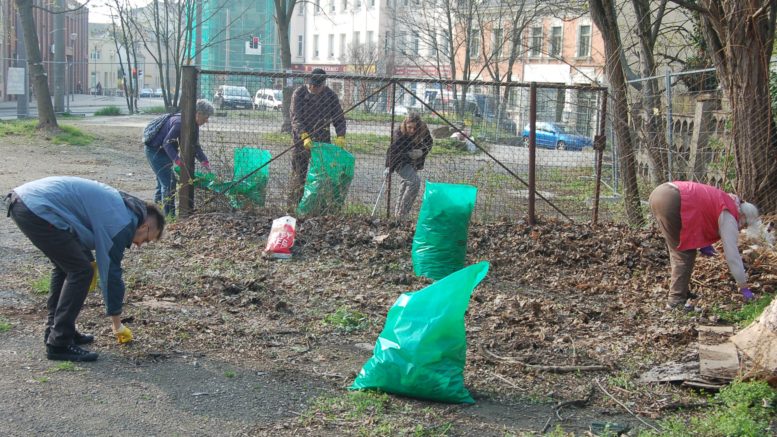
(584,117)
(433,44)
(331,46)
(369,42)
(95,55)
(584,41)
(343,42)
(446,44)
(416,44)
(344,5)
(497,42)
(474,43)
(315,46)
(387,42)
(357,4)
(555,41)
(331,5)
(371,3)
(301,7)
(356,39)
(535,42)
(401,42)
(317,7)
(300,45)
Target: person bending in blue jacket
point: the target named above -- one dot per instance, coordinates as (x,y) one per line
(162,153)
(66,218)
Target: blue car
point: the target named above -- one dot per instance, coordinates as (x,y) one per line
(555,136)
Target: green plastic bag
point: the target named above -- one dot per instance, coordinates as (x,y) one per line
(254,187)
(329,175)
(440,240)
(422,350)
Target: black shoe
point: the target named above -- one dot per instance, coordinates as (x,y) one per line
(69,353)
(79,338)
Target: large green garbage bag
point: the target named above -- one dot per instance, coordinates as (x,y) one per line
(329,176)
(253,188)
(440,240)
(422,350)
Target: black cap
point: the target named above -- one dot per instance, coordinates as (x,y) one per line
(318,78)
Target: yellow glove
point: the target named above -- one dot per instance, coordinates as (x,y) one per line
(340,142)
(123,334)
(306,141)
(93,284)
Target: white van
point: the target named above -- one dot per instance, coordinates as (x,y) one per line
(268,99)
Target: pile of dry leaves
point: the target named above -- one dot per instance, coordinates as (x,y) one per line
(564,305)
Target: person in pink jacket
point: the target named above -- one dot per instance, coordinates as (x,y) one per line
(693,216)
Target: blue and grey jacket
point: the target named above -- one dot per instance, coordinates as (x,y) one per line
(169,136)
(102,218)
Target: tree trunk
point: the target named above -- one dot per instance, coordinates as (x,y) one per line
(603,14)
(283,13)
(46,117)
(739,37)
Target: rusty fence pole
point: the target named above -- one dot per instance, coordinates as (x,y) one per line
(532,152)
(188,105)
(388,181)
(599,144)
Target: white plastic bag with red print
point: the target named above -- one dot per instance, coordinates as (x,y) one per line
(281,238)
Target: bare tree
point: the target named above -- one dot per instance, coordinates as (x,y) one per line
(47,119)
(364,59)
(604,15)
(739,36)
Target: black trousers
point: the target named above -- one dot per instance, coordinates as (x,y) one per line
(70,276)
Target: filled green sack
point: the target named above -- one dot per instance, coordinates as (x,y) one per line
(329,176)
(254,188)
(422,350)
(440,240)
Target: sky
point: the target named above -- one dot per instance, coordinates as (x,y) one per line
(99,12)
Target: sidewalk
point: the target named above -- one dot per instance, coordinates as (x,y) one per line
(82,104)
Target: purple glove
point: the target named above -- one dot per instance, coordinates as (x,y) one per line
(205,165)
(708,251)
(178,162)
(747,294)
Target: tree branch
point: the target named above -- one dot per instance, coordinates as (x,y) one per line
(691,6)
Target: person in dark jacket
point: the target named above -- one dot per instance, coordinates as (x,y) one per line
(314,107)
(66,218)
(406,156)
(162,153)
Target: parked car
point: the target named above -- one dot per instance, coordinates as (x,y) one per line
(158,92)
(230,96)
(268,99)
(556,136)
(146,92)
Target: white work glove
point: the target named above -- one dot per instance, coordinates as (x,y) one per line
(386,173)
(416,153)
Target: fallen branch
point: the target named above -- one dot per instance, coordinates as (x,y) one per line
(574,402)
(553,369)
(624,406)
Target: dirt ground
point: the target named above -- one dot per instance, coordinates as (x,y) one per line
(229,343)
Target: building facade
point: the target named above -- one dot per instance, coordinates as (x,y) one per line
(76,44)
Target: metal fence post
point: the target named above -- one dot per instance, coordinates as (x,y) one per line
(599,144)
(388,177)
(186,141)
(532,151)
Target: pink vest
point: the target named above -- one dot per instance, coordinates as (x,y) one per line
(700,207)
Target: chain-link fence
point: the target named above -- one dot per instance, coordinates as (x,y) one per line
(480,132)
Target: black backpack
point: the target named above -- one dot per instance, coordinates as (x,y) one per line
(153,127)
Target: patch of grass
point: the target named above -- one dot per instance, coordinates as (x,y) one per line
(41,379)
(346,320)
(73,136)
(18,127)
(743,409)
(41,285)
(748,313)
(5,325)
(622,380)
(352,209)
(352,406)
(230,374)
(64,366)
(108,110)
(155,110)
